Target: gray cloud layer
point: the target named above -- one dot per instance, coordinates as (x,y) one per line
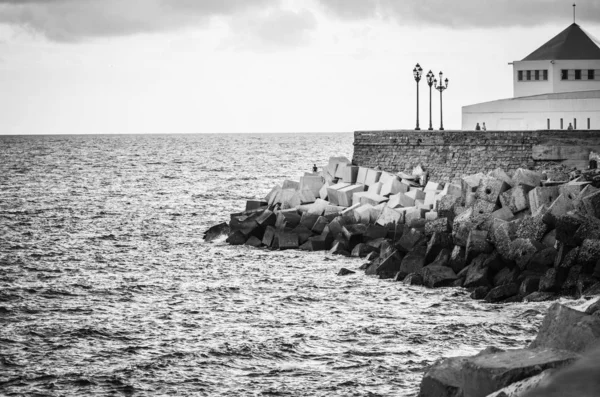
(72,20)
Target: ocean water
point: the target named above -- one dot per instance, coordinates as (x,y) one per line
(107,288)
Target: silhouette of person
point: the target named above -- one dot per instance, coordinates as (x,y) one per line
(477,127)
(484,127)
(315,169)
(570,127)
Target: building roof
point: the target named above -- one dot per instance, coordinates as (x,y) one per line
(572,43)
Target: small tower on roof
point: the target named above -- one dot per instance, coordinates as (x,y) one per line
(569,62)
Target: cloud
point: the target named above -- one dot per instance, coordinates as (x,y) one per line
(464,13)
(73,20)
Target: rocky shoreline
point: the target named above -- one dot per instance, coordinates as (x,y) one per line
(528,236)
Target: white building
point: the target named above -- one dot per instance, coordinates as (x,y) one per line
(556,85)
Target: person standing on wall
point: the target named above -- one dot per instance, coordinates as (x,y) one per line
(484,127)
(477,127)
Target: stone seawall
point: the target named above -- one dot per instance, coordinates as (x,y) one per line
(449,155)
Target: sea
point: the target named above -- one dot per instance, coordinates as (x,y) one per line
(107,287)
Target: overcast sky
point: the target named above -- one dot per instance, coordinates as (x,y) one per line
(189,66)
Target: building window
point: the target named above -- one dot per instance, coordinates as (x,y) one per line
(564,74)
(574,124)
(577,74)
(548,122)
(537,74)
(545,73)
(591,74)
(520,74)
(589,124)
(529,75)
(561,124)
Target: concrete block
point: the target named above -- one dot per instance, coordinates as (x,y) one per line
(591,204)
(516,199)
(522,251)
(393,186)
(309,220)
(523,177)
(323,190)
(373,199)
(412,214)
(318,207)
(333,209)
(469,198)
(289,184)
(499,173)
(361,176)
(416,194)
(482,207)
(542,195)
(350,174)
(312,183)
(255,204)
(395,201)
(344,195)
(386,176)
(376,212)
(430,198)
(462,226)
(271,195)
(431,216)
(558,208)
(445,206)
(490,189)
(372,177)
(470,183)
(333,165)
(320,224)
(363,213)
(477,243)
(267,218)
(439,225)
(390,216)
(357,195)
(572,189)
(452,189)
(375,188)
(348,214)
(432,187)
(269,235)
(332,192)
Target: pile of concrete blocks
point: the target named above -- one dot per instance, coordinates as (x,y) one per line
(504,237)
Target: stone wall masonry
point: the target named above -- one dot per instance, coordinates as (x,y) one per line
(448,155)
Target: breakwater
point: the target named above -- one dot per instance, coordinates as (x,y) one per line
(526,235)
(449,155)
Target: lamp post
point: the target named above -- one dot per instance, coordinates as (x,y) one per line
(441,89)
(430,83)
(417,73)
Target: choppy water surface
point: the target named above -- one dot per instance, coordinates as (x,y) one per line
(106,286)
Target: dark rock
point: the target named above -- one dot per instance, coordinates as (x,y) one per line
(362,250)
(478,273)
(438,276)
(287,240)
(317,243)
(437,243)
(303,233)
(500,237)
(480,292)
(389,266)
(567,329)
(502,292)
(254,241)
(589,253)
(309,220)
(505,276)
(237,238)
(216,232)
(566,228)
(354,234)
(443,379)
(522,250)
(569,286)
(593,308)
(375,232)
(462,226)
(413,262)
(540,297)
(443,258)
(267,218)
(320,224)
(440,225)
(477,243)
(339,248)
(371,256)
(594,290)
(542,260)
(457,259)
(458,282)
(584,282)
(532,228)
(410,239)
(551,281)
(345,272)
(269,236)
(529,285)
(412,279)
(486,373)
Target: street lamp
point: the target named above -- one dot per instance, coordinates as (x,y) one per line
(441,89)
(430,83)
(417,73)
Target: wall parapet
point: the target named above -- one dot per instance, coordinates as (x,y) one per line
(450,154)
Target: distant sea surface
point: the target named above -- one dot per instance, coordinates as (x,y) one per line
(107,288)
